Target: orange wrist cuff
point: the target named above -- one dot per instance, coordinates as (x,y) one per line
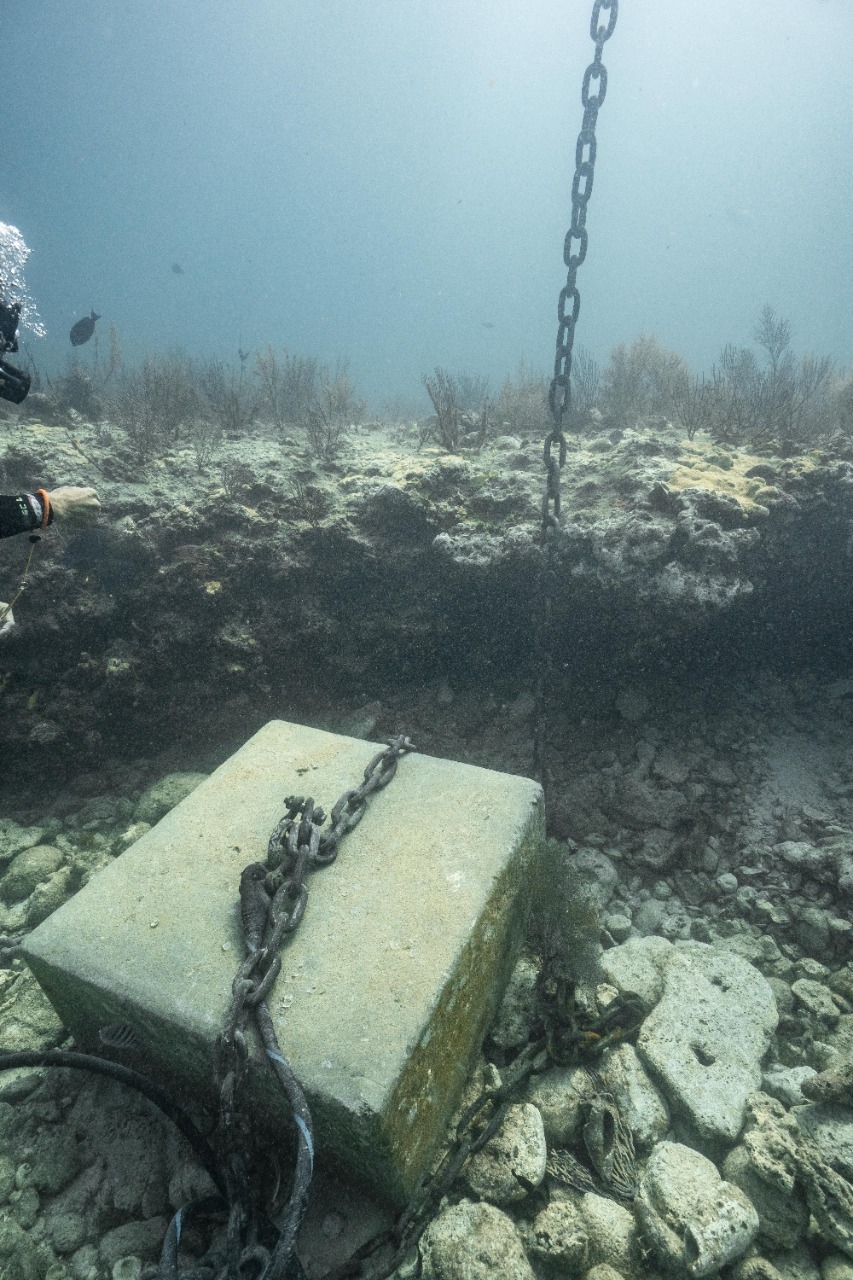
(41,494)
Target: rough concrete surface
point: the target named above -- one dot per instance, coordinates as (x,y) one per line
(387,987)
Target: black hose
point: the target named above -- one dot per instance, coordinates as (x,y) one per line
(153,1092)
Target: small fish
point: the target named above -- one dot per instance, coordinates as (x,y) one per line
(177,269)
(487,324)
(244,355)
(82,331)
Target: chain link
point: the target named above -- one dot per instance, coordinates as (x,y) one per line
(593,92)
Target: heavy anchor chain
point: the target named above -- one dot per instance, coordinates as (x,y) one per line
(273,898)
(593,92)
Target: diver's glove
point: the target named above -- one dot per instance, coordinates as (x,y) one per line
(74,504)
(7,619)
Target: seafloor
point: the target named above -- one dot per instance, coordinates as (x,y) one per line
(701,794)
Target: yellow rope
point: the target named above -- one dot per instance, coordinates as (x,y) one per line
(7,609)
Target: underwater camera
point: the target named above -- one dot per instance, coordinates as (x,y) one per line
(14,383)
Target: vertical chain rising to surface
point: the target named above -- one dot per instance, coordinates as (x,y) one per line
(559,394)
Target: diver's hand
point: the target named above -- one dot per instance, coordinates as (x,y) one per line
(7,619)
(74,505)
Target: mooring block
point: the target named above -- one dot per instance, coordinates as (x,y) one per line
(388,985)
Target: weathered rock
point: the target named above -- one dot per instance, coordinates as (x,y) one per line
(29,869)
(471,1241)
(786,1083)
(14,839)
(636,967)
(694,1222)
(164,794)
(836,1267)
(513,1161)
(829,1196)
(833,1085)
(640,1102)
(611,1233)
(559,1095)
(558,1235)
(705,1039)
(816,999)
(783,1216)
(142,1237)
(829,1125)
(518,1011)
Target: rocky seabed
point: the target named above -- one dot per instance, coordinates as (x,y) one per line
(718,851)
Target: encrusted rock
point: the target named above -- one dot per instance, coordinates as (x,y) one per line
(611,1233)
(705,1039)
(640,1102)
(833,1085)
(517,1011)
(559,1235)
(511,1163)
(164,794)
(694,1222)
(470,1241)
(636,967)
(29,868)
(559,1095)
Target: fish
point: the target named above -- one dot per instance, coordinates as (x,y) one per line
(82,331)
(177,269)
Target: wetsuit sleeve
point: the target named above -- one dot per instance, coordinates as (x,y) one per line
(19,514)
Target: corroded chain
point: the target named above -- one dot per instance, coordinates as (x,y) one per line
(273,897)
(559,395)
(575,245)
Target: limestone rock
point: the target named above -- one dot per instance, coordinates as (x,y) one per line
(833,1085)
(830,1127)
(14,838)
(164,794)
(559,1236)
(829,1196)
(836,1267)
(470,1241)
(513,1161)
(816,999)
(517,1012)
(611,1232)
(559,1095)
(787,1083)
(705,1039)
(29,868)
(636,967)
(695,1223)
(640,1102)
(783,1217)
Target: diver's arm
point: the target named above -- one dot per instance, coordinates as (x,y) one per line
(21,513)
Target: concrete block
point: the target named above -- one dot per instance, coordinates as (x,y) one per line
(387,986)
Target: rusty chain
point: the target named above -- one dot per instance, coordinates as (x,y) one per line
(273,898)
(560,390)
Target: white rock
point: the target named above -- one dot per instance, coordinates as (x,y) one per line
(640,1102)
(705,1039)
(471,1241)
(694,1222)
(513,1161)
